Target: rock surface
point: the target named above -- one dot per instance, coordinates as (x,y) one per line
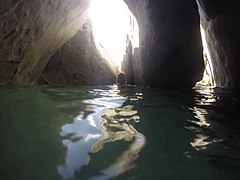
(170,43)
(79,62)
(30,33)
(170,52)
(220,20)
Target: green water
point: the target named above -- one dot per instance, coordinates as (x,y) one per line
(106,132)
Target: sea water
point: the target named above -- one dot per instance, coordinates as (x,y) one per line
(111,132)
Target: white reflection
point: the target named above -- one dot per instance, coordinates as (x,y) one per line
(200,115)
(200,127)
(125,161)
(201,142)
(206,96)
(123,131)
(103,120)
(78,138)
(82,134)
(136,97)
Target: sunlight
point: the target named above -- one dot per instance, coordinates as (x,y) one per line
(208,76)
(113,23)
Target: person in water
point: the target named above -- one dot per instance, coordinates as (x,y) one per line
(121,79)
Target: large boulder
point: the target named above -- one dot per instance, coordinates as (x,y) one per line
(31,32)
(170,54)
(80,62)
(220,21)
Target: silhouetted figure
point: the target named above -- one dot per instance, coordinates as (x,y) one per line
(121,79)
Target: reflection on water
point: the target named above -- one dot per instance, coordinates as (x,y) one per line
(198,126)
(107,120)
(218,143)
(106,132)
(116,125)
(201,124)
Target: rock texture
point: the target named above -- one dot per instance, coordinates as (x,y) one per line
(170,43)
(79,62)
(220,20)
(30,33)
(170,52)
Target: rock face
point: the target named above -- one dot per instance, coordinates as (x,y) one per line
(170,43)
(30,33)
(79,62)
(170,47)
(170,52)
(220,20)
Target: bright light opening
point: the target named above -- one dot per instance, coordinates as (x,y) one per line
(114,26)
(208,76)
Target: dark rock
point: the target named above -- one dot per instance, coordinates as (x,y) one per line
(170,43)
(79,62)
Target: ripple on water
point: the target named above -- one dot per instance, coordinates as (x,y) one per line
(101,133)
(109,122)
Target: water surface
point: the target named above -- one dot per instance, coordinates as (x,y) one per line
(107,132)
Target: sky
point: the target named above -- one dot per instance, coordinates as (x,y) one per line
(111,18)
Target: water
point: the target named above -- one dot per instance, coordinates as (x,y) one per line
(106,132)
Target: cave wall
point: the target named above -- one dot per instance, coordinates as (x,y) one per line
(31,32)
(170,43)
(170,53)
(220,21)
(170,47)
(79,62)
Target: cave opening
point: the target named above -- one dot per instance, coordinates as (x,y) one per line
(77,124)
(208,75)
(114,28)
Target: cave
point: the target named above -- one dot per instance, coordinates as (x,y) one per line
(170,43)
(175,118)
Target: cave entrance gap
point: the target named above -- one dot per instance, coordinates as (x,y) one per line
(114,27)
(208,76)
